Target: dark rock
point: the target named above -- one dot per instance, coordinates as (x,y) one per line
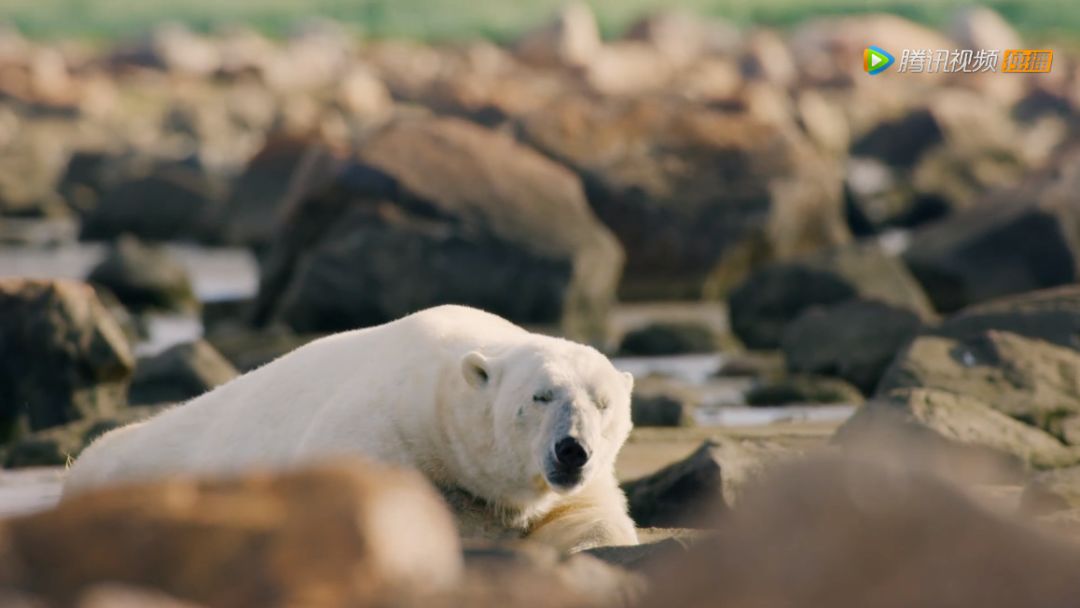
(989,251)
(179,373)
(62,357)
(171,203)
(952,433)
(61,445)
(752,364)
(901,142)
(1031,380)
(690,492)
(437,211)
(338,534)
(669,338)
(836,517)
(689,190)
(248,349)
(1052,315)
(145,278)
(656,544)
(658,410)
(803,389)
(855,340)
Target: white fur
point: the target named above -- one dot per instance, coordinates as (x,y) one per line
(449,391)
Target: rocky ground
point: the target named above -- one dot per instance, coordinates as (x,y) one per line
(851,303)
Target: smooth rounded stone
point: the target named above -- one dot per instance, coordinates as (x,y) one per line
(170,203)
(992,250)
(436,211)
(179,373)
(1028,379)
(519,573)
(145,278)
(61,445)
(669,338)
(349,533)
(62,356)
(1051,491)
(659,410)
(855,341)
(1052,315)
(571,38)
(852,533)
(953,434)
(690,492)
(689,190)
(803,389)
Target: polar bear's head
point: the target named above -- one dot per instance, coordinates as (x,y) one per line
(559,413)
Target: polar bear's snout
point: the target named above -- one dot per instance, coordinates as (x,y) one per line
(568,460)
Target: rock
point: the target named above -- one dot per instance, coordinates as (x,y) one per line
(628,68)
(855,340)
(145,278)
(336,534)
(683,38)
(688,188)
(61,445)
(170,203)
(530,574)
(658,410)
(835,517)
(1052,315)
(281,172)
(436,211)
(774,295)
(901,142)
(752,364)
(174,48)
(572,38)
(768,58)
(953,433)
(803,389)
(179,373)
(979,27)
(248,349)
(62,357)
(1031,380)
(656,544)
(1051,491)
(669,338)
(991,251)
(689,493)
(112,595)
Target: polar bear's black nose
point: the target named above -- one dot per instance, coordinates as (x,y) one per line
(571,454)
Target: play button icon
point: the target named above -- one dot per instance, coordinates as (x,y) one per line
(876,60)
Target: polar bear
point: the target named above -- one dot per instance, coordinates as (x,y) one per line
(520,431)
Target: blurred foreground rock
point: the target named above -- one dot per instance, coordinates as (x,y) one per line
(62,356)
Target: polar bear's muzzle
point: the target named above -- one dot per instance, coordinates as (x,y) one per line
(566,463)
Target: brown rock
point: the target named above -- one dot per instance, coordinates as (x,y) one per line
(179,373)
(572,38)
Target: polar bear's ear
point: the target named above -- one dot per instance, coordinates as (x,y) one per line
(628,379)
(475,369)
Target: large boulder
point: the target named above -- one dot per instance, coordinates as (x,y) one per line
(1052,315)
(59,446)
(688,188)
(62,356)
(1029,379)
(145,278)
(435,211)
(952,433)
(179,373)
(854,340)
(337,534)
(773,296)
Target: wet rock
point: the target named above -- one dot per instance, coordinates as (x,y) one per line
(658,410)
(336,534)
(1029,379)
(179,373)
(61,445)
(855,340)
(1052,315)
(835,517)
(145,278)
(669,338)
(803,389)
(764,304)
(62,357)
(952,433)
(690,492)
(991,251)
(572,38)
(688,188)
(438,211)
(171,203)
(535,575)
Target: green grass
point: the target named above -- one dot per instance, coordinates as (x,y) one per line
(497,19)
